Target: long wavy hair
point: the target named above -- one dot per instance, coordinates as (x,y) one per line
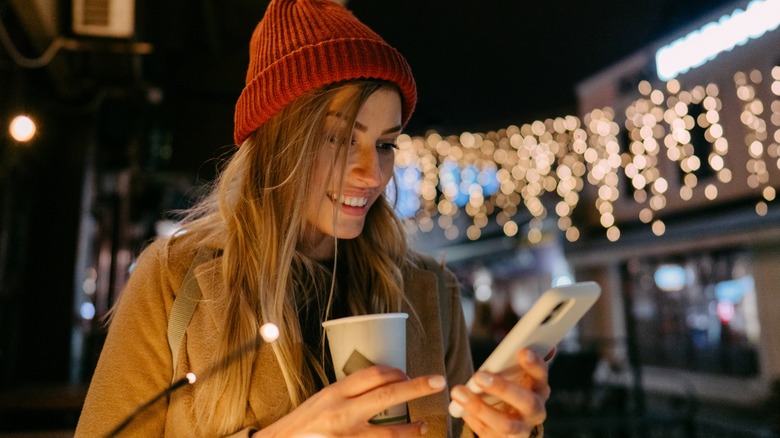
(257,209)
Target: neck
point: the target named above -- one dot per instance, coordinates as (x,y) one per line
(318,245)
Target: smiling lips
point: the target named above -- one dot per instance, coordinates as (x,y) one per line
(358,202)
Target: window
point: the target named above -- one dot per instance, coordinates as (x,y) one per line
(696,312)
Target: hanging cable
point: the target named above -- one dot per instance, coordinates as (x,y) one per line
(22,61)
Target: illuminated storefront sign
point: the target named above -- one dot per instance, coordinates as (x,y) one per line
(705,43)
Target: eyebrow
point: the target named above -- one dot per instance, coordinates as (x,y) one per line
(360,127)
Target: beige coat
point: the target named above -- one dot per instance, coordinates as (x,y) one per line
(136,364)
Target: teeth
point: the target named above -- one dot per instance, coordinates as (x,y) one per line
(352,201)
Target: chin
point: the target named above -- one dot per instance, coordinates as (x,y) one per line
(349,232)
(349,235)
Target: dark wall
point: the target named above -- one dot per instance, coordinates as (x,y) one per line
(41,185)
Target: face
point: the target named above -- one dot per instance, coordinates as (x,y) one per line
(340,202)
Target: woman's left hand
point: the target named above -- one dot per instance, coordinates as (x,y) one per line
(522,398)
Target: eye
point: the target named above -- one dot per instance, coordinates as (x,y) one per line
(387,146)
(335,139)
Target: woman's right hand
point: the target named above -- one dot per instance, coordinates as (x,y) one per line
(344,408)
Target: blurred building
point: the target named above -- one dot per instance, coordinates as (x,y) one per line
(689,250)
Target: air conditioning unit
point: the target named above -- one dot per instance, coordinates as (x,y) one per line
(104,18)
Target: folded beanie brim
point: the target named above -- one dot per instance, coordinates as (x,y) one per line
(314,66)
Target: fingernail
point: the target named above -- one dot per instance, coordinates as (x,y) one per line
(423,428)
(437,382)
(459,395)
(530,356)
(483,379)
(456,410)
(516,427)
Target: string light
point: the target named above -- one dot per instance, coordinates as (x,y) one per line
(603,158)
(22,128)
(757,133)
(489,177)
(269,332)
(773,149)
(644,118)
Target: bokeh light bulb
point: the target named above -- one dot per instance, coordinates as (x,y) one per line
(22,128)
(269,332)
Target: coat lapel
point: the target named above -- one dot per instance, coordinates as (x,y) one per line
(424,349)
(268,396)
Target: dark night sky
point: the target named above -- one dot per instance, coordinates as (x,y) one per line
(483,64)
(479,64)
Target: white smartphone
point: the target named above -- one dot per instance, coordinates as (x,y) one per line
(548,320)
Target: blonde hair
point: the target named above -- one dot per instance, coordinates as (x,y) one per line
(257,207)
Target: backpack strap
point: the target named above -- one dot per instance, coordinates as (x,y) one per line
(184,306)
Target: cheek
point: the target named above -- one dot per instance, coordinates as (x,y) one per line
(386,166)
(323,169)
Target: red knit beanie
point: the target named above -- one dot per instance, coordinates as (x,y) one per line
(302,45)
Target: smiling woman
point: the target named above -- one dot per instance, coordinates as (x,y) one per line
(295,232)
(362,174)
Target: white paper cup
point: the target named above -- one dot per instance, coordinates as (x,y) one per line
(358,342)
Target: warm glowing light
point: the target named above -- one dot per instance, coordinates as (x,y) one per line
(769,193)
(534,235)
(761,208)
(269,332)
(473,232)
(659,228)
(711,192)
(543,166)
(510,228)
(757,131)
(191,378)
(22,128)
(686,193)
(572,234)
(724,176)
(660,185)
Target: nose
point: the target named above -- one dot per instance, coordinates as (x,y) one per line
(363,166)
